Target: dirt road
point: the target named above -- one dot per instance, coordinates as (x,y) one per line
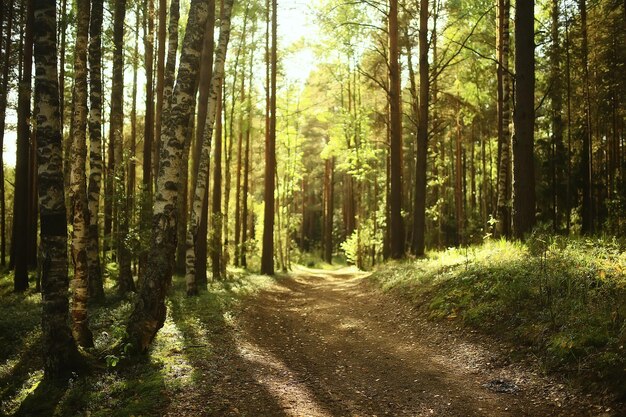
(322,343)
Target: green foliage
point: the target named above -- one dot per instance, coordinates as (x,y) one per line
(562,298)
(143,387)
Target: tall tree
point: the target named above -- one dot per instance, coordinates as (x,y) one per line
(246,166)
(504,119)
(4,92)
(160,81)
(78,186)
(116,136)
(586,151)
(61,355)
(524,120)
(419,221)
(204,90)
(267,256)
(149,311)
(217,217)
(395,147)
(148,135)
(329,197)
(20,205)
(96,289)
(556,97)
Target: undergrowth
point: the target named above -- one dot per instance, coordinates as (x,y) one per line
(562,299)
(142,388)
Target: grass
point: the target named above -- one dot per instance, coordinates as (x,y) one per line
(564,300)
(141,389)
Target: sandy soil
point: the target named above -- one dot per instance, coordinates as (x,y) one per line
(322,343)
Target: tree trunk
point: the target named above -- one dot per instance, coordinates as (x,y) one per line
(148,163)
(524,119)
(116,136)
(78,186)
(246,173)
(149,311)
(586,151)
(215,248)
(396,226)
(329,196)
(238,182)
(168,82)
(504,119)
(4,92)
(61,356)
(419,222)
(160,81)
(20,204)
(556,97)
(267,256)
(206,71)
(458,180)
(96,290)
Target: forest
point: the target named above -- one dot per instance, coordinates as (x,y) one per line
(322,208)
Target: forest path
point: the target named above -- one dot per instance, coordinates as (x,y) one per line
(324,343)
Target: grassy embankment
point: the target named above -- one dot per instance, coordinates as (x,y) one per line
(195,327)
(562,300)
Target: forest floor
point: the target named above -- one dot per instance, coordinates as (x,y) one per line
(327,343)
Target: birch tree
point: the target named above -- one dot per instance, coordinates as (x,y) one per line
(217,79)
(60,353)
(149,311)
(78,187)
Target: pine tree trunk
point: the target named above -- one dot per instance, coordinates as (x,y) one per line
(246,176)
(215,231)
(267,256)
(125,281)
(78,186)
(586,151)
(396,226)
(458,179)
(148,160)
(60,353)
(419,222)
(96,289)
(556,97)
(22,180)
(504,120)
(4,92)
(149,311)
(238,181)
(524,119)
(329,196)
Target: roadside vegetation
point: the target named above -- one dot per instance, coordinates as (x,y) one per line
(562,300)
(193,328)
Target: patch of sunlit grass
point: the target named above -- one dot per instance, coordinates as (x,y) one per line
(565,298)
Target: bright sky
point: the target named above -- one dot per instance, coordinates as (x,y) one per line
(295,24)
